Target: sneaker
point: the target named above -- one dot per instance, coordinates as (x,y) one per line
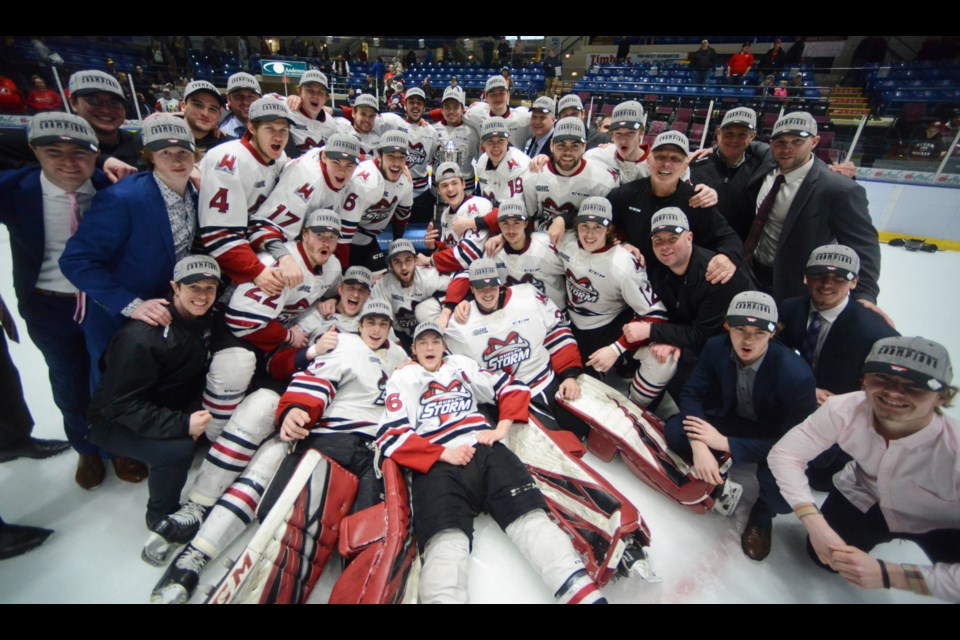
(181,578)
(180,527)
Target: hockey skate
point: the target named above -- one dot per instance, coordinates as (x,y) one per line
(181,578)
(157,551)
(181,526)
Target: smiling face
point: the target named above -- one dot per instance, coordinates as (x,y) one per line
(451,190)
(239,102)
(414,106)
(194,299)
(392,165)
(103,110)
(352,298)
(592,236)
(498,99)
(374,331)
(749,343)
(364,118)
(428,350)
(313,97)
(404,266)
(667,165)
(673,250)
(173,166)
(567,155)
(900,405)
(496,148)
(486,297)
(452,111)
(792,152)
(827,290)
(319,246)
(66,165)
(733,141)
(270,138)
(339,171)
(202,113)
(514,232)
(541,123)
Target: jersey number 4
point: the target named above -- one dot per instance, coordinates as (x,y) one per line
(219,201)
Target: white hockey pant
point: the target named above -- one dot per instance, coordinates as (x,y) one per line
(651,378)
(228,377)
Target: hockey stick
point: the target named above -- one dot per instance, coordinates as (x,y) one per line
(233,582)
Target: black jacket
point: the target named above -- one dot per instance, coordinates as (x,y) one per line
(696,308)
(733,200)
(634,205)
(153,379)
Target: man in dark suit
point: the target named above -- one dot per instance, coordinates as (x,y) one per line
(832,334)
(542,119)
(745,393)
(41,207)
(802,205)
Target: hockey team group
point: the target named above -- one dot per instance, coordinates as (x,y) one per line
(691,310)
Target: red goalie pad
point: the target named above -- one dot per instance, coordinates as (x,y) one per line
(380,545)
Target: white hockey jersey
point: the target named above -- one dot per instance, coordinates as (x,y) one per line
(303,187)
(547,194)
(527,337)
(315,325)
(426,411)
(460,144)
(601,285)
(427,283)
(264,319)
(457,252)
(370,202)
(370,141)
(517,119)
(506,179)
(423,146)
(308,133)
(344,390)
(626,170)
(234,182)
(537,264)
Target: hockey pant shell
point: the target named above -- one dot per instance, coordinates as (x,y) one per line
(769,502)
(618,424)
(379,543)
(602,523)
(249,426)
(298,544)
(228,378)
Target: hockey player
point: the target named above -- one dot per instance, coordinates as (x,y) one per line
(502,167)
(315,180)
(236,178)
(457,141)
(312,125)
(453,252)
(378,194)
(201,107)
(335,406)
(242,91)
(432,425)
(497,103)
(260,323)
(420,156)
(368,125)
(571,106)
(606,288)
(627,155)
(411,291)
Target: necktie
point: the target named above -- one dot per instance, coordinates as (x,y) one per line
(532,147)
(763,212)
(81,309)
(809,348)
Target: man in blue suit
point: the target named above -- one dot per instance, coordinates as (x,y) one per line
(125,250)
(41,207)
(744,394)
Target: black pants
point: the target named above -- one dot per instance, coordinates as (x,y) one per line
(16,423)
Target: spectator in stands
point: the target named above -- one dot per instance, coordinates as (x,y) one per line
(167,103)
(370,86)
(505,72)
(623,49)
(429,92)
(930,145)
(156,57)
(765,88)
(42,98)
(795,90)
(242,91)
(181,49)
(518,60)
(341,68)
(411,58)
(488,44)
(503,51)
(551,70)
(794,55)
(454,82)
(600,134)
(773,60)
(378,68)
(702,62)
(739,64)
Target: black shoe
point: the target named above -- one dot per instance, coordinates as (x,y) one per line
(16,539)
(35,448)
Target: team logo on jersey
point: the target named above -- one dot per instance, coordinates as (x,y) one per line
(305,191)
(580,289)
(506,355)
(552,210)
(380,211)
(406,319)
(512,164)
(441,400)
(416,154)
(292,310)
(382,399)
(227,164)
(527,279)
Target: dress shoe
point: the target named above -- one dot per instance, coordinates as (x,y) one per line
(35,448)
(90,471)
(130,470)
(16,539)
(756,541)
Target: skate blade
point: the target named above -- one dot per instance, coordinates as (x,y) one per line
(643,567)
(170,594)
(158,551)
(729,499)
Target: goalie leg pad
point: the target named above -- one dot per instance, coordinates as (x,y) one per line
(618,422)
(230,372)
(251,424)
(379,541)
(600,520)
(651,378)
(446,560)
